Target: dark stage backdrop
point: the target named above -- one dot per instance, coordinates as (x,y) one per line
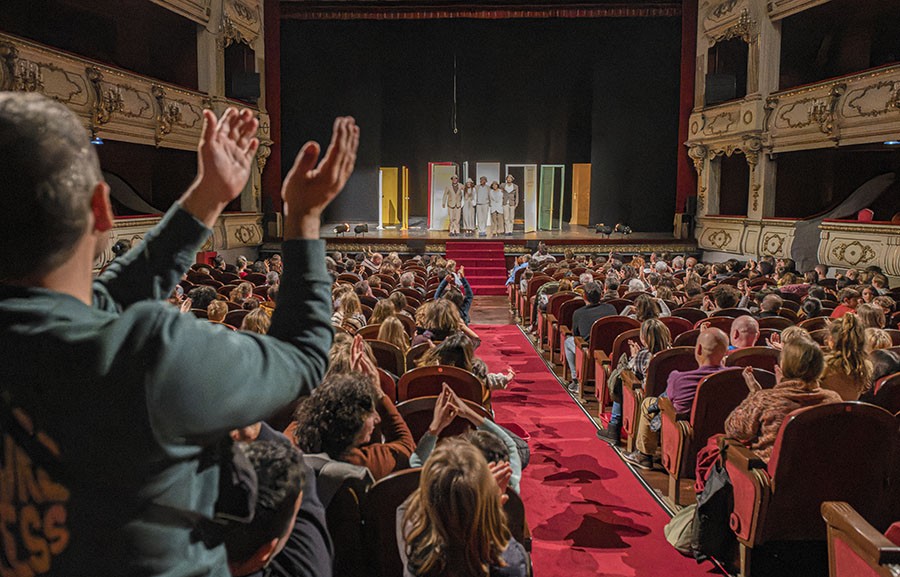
(603,91)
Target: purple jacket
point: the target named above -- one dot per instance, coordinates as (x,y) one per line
(682,386)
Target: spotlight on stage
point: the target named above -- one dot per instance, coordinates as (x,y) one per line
(341,228)
(603,229)
(361,229)
(622,228)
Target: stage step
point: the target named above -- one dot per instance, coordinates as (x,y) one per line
(484,263)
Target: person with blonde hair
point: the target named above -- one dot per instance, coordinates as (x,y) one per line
(216,311)
(877,339)
(383,309)
(847,370)
(871,316)
(438,319)
(257,321)
(240,293)
(756,421)
(348,313)
(457,351)
(454,525)
(392,331)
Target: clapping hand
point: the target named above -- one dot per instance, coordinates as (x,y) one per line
(224,157)
(444,411)
(502,473)
(633,348)
(309,188)
(774,341)
(750,379)
(360,361)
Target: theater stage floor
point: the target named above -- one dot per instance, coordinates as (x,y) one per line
(579,238)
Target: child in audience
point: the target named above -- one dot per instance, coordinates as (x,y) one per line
(456,351)
(454,523)
(383,309)
(877,339)
(240,293)
(216,311)
(348,312)
(392,331)
(257,321)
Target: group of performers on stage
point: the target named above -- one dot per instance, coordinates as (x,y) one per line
(471,206)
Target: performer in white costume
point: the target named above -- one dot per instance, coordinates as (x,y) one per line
(496,205)
(510,202)
(482,205)
(468,208)
(452,201)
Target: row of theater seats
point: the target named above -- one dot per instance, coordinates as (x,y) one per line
(848,452)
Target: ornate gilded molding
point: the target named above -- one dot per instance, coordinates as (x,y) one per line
(822,111)
(772,243)
(743,29)
(698,153)
(718,238)
(752,145)
(240,22)
(853,253)
(873,100)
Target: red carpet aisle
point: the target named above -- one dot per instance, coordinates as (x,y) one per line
(485,264)
(588,514)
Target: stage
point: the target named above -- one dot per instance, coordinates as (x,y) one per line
(417,239)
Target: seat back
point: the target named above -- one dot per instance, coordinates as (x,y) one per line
(687,338)
(820,336)
(757,357)
(387,384)
(832,452)
(895,336)
(428,381)
(691,314)
(413,354)
(556,301)
(887,392)
(380,293)
(536,282)
(723,323)
(764,335)
(619,304)
(419,412)
(604,332)
(717,395)
(256,278)
(369,332)
(379,517)
(663,363)
(566,310)
(236,317)
(730,312)
(676,325)
(388,356)
(620,345)
(779,323)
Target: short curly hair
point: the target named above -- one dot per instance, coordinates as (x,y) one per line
(329,420)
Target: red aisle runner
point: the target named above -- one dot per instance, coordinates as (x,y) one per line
(588,513)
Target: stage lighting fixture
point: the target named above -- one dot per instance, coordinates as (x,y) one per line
(622,228)
(341,228)
(361,228)
(602,228)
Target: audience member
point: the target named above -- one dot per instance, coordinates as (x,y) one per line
(257,321)
(216,311)
(849,300)
(138,374)
(744,332)
(847,370)
(201,296)
(393,331)
(582,320)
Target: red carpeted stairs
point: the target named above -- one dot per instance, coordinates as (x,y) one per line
(484,262)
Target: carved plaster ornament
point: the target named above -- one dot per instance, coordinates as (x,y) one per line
(822,111)
(742,29)
(698,153)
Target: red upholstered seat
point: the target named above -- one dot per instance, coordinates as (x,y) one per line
(619,304)
(603,334)
(887,392)
(543,317)
(855,547)
(837,451)
(756,357)
(369,332)
(779,323)
(723,323)
(690,314)
(418,414)
(560,327)
(379,516)
(676,325)
(717,395)
(603,365)
(815,324)
(686,339)
(524,303)
(387,384)
(661,364)
(428,381)
(388,356)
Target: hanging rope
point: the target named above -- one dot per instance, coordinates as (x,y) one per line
(453,113)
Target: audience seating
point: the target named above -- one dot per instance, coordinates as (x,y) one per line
(388,384)
(887,391)
(820,336)
(815,323)
(789,314)
(756,357)
(418,414)
(427,381)
(683,436)
(413,354)
(379,521)
(526,299)
(837,451)
(733,312)
(764,335)
(200,313)
(691,314)
(543,317)
(603,365)
(388,356)
(603,334)
(518,525)
(779,323)
(380,293)
(236,317)
(619,304)
(723,323)
(855,547)
(686,339)
(369,332)
(366,311)
(348,277)
(257,278)
(676,325)
(895,336)
(790,305)
(560,327)
(661,365)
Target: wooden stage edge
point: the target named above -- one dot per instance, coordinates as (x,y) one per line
(581,239)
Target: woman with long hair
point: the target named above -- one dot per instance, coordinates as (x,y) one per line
(348,312)
(383,310)
(438,319)
(454,524)
(655,337)
(847,370)
(457,351)
(392,331)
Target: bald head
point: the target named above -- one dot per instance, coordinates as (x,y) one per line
(744,332)
(712,346)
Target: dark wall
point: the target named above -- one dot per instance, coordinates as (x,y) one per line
(528,91)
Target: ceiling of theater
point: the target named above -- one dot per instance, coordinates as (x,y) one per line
(588,8)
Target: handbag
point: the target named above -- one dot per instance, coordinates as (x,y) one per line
(712,535)
(680,529)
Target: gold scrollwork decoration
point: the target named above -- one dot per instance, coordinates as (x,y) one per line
(698,153)
(856,97)
(751,146)
(853,253)
(742,29)
(773,243)
(756,188)
(822,111)
(718,238)
(701,198)
(246,234)
(262,155)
